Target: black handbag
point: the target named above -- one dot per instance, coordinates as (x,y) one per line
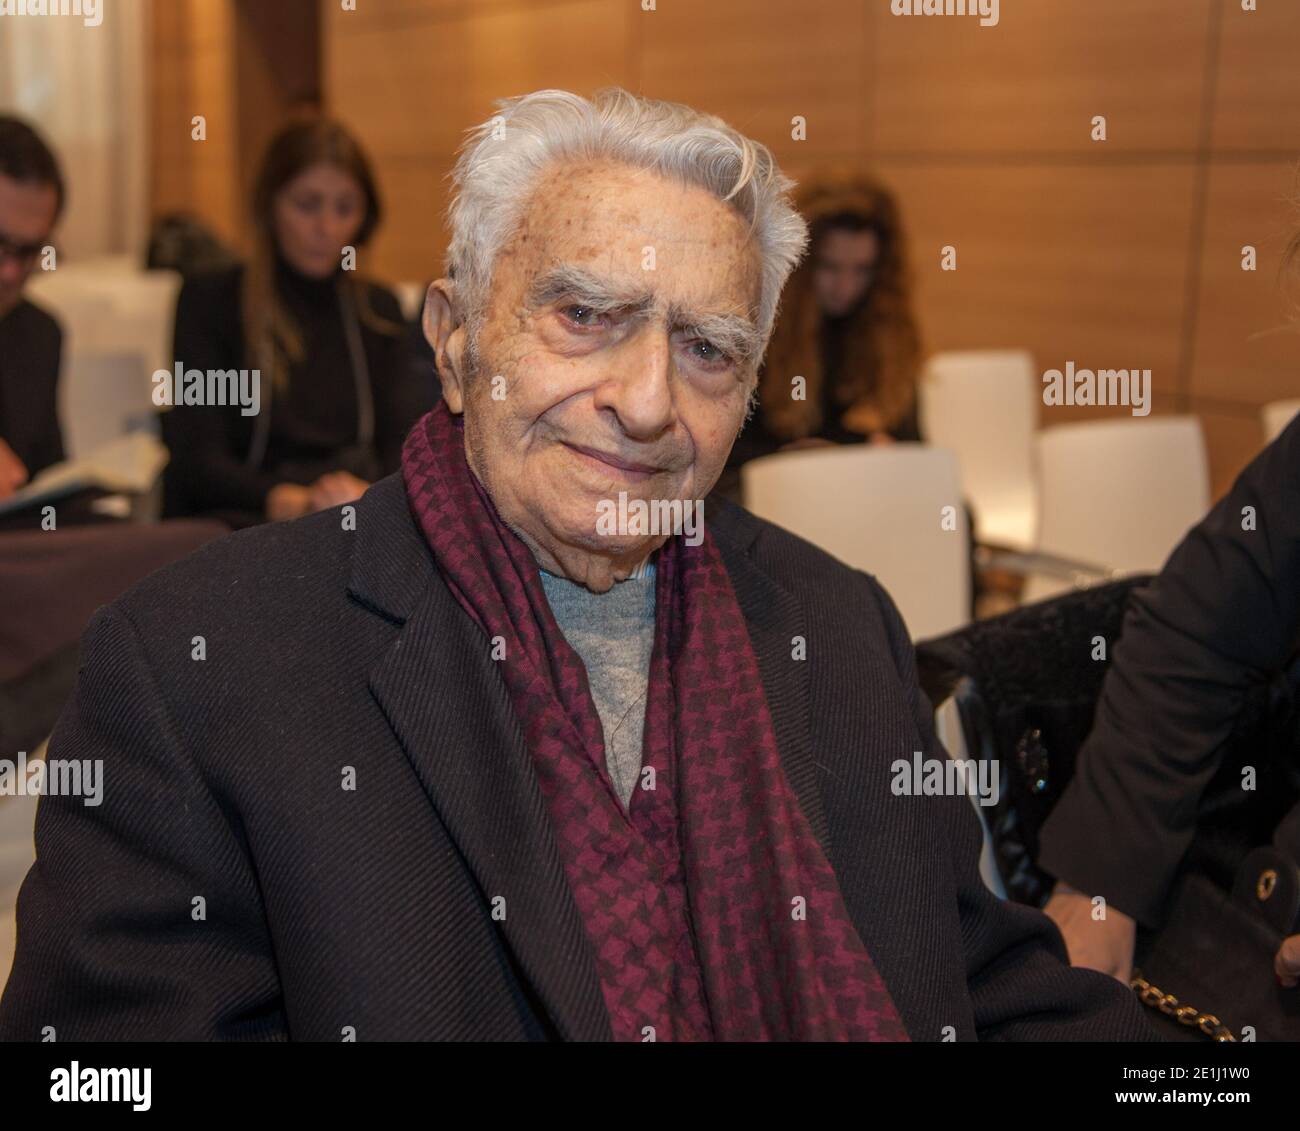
(1026,688)
(1208,972)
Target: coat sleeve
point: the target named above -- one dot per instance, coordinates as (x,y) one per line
(1020,983)
(1222,618)
(140,919)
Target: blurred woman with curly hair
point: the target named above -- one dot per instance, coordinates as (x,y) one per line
(846,328)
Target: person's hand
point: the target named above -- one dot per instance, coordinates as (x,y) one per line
(335,488)
(1286,963)
(805,442)
(1096,944)
(881,438)
(13,472)
(288,500)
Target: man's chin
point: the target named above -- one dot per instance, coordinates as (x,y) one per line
(616,548)
(584,548)
(597,570)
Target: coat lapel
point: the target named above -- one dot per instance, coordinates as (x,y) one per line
(449,708)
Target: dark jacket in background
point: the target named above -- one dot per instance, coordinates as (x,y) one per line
(31,343)
(1222,618)
(314,428)
(334,653)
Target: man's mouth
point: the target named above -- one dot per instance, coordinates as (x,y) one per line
(626,468)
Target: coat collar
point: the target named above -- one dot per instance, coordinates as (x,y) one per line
(449,709)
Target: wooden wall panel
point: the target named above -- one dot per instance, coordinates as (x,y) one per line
(192,54)
(412,91)
(412,239)
(244,67)
(393,15)
(1257,97)
(1247,336)
(759,63)
(1046,262)
(168,85)
(1032,83)
(277,71)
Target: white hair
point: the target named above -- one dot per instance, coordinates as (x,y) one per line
(501,159)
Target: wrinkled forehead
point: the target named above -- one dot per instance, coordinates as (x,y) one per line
(642,230)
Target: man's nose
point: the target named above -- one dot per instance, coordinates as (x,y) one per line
(639,387)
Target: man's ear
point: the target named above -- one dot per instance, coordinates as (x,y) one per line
(447,339)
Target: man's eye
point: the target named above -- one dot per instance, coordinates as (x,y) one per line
(708,353)
(582,315)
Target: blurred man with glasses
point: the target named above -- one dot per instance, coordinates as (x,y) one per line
(31,199)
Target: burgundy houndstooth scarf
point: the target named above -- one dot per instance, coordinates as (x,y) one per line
(691,896)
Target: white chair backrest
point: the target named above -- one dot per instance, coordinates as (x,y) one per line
(878,509)
(983,406)
(103,397)
(1119,493)
(1277,416)
(110,306)
(117,327)
(146,308)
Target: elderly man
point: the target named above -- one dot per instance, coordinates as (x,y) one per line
(469,761)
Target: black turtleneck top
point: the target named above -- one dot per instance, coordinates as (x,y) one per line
(314,426)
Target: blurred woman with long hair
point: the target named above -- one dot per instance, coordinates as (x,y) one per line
(336,397)
(846,328)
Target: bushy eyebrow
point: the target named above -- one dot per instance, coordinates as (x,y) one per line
(734,334)
(581,285)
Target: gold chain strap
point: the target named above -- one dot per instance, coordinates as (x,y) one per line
(1207,1023)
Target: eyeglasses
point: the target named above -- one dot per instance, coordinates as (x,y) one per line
(23,253)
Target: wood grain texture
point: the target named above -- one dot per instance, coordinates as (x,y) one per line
(1247,339)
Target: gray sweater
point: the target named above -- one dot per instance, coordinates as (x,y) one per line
(613,633)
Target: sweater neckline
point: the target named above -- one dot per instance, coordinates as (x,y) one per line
(312,291)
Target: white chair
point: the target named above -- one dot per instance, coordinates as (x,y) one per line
(1118,494)
(983,405)
(110,310)
(1277,416)
(894,511)
(145,307)
(104,397)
